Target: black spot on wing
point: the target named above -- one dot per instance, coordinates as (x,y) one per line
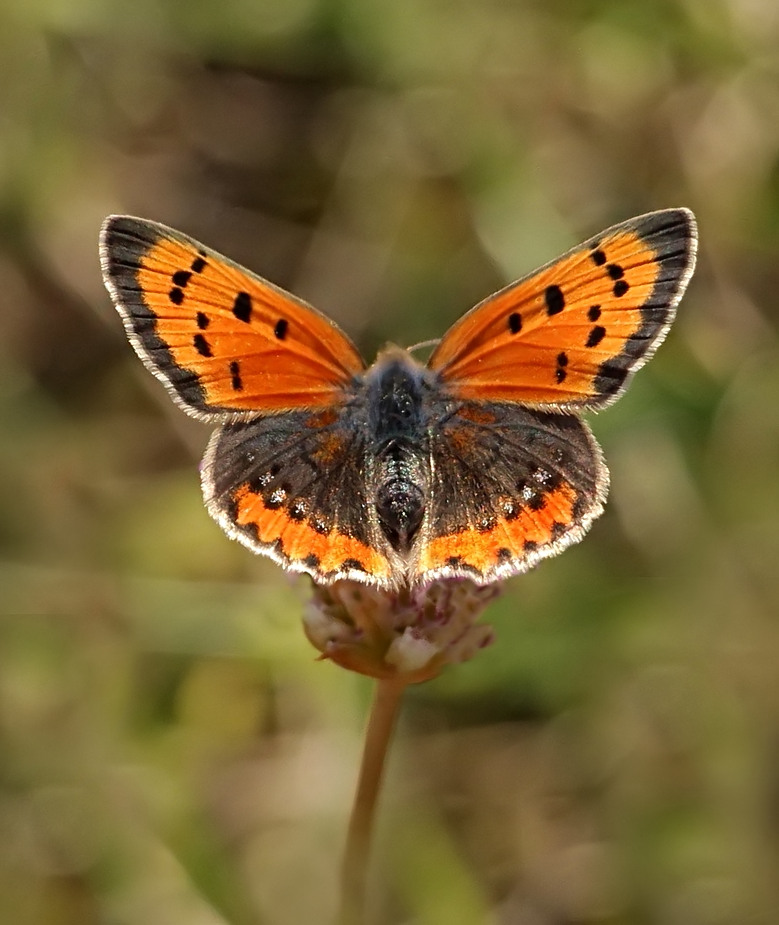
(298,510)
(242,307)
(562,361)
(353,564)
(323,525)
(595,336)
(201,345)
(555,300)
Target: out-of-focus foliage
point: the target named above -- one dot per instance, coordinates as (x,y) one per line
(170,751)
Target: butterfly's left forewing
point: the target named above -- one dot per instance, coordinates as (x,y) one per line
(572,333)
(223,340)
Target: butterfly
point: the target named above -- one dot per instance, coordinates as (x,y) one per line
(476,464)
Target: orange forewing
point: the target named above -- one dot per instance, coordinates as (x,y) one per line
(571,333)
(223,338)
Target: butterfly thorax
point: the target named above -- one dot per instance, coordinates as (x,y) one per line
(397,387)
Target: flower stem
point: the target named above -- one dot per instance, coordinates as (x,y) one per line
(384,712)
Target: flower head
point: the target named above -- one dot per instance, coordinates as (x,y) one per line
(411,633)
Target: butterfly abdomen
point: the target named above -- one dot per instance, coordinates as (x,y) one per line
(396,421)
(400,505)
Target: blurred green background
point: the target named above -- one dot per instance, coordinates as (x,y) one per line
(170,751)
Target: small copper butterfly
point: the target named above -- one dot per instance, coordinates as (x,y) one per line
(476,464)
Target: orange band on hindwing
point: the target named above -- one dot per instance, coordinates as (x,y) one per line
(328,553)
(517,537)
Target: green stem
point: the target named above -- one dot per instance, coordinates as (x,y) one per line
(384,713)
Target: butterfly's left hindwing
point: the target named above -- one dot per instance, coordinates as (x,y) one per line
(223,340)
(292,486)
